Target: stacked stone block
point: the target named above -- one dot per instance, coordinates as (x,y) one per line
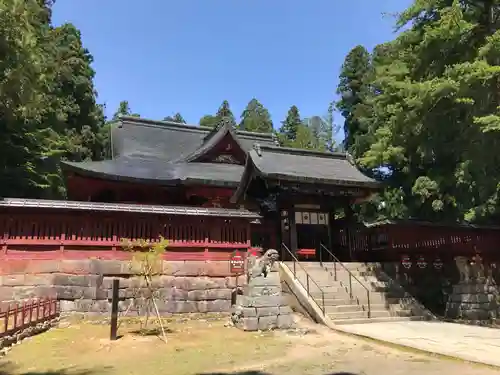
(473,300)
(262,305)
(84,286)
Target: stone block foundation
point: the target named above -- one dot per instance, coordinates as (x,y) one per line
(84,286)
(262,305)
(474,300)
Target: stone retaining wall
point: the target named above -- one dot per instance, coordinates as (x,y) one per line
(477,301)
(85,285)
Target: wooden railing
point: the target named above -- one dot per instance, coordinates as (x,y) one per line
(104,231)
(14,318)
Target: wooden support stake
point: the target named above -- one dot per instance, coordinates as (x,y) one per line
(114,310)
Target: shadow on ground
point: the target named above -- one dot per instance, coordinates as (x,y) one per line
(7,368)
(264,373)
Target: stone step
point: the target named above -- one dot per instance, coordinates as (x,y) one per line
(375,320)
(338,301)
(341,297)
(324,281)
(357,314)
(356,307)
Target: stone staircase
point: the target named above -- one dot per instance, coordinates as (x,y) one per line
(387,301)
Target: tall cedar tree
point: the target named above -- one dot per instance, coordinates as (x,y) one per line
(352,89)
(290,125)
(47,100)
(256,118)
(225,115)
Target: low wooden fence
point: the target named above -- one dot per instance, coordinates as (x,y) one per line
(15,318)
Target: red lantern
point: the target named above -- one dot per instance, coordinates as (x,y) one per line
(438,263)
(421,263)
(406,261)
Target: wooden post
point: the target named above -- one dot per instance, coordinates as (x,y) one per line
(6,319)
(114,310)
(293,230)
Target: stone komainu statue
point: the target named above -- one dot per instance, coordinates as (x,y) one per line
(261,266)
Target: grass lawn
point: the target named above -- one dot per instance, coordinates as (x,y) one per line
(205,346)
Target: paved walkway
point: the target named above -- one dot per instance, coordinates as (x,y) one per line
(470,343)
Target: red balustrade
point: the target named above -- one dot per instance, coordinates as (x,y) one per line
(44,234)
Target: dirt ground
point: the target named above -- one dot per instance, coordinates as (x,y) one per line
(206,346)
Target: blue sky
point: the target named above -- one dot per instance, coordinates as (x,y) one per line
(165,56)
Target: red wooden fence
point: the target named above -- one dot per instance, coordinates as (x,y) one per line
(17,317)
(401,238)
(43,232)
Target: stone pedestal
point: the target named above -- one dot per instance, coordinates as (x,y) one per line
(262,305)
(473,300)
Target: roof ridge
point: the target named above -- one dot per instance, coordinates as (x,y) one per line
(163,124)
(245,133)
(304,152)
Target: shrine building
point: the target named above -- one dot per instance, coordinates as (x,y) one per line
(208,191)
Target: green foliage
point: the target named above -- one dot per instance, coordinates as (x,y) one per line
(47,100)
(147,257)
(209,121)
(314,133)
(423,112)
(290,126)
(223,115)
(124,110)
(175,118)
(353,88)
(256,118)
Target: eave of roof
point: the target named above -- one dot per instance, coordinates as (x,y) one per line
(134,208)
(308,166)
(429,224)
(157,172)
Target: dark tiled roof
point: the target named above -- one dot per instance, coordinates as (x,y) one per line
(169,141)
(158,151)
(308,166)
(156,171)
(120,207)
